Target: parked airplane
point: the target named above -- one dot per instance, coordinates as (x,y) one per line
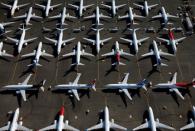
(174,86)
(20,42)
(73,87)
(191,124)
(28,16)
(98,41)
(14,6)
(117,53)
(172,41)
(3,52)
(21,88)
(48,7)
(135,42)
(97,16)
(157,53)
(78,53)
(14,124)
(152,124)
(131,16)
(113,7)
(145,7)
(124,86)
(59,124)
(81,7)
(2,27)
(164,16)
(37,53)
(106,123)
(63,16)
(59,42)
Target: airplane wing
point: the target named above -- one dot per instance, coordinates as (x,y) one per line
(157,16)
(20,17)
(75,93)
(189,126)
(68,127)
(6,54)
(65,41)
(138,16)
(98,126)
(51,40)
(120,6)
(109,54)
(46,54)
(180,39)
(143,39)
(29,55)
(36,17)
(172,16)
(54,6)
(41,6)
(148,54)
(126,78)
(104,16)
(164,53)
(56,16)
(178,93)
(74,6)
(6,5)
(23,94)
(4,128)
(86,54)
(89,17)
(70,54)
(87,6)
(22,128)
(107,6)
(165,40)
(105,40)
(143,126)
(23,5)
(174,79)
(160,125)
(51,127)
(89,40)
(152,6)
(29,40)
(139,6)
(71,17)
(125,53)
(116,126)
(12,39)
(25,82)
(127,40)
(127,93)
(7,23)
(77,78)
(123,17)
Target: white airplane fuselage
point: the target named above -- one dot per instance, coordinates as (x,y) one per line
(146,9)
(18,87)
(21,41)
(98,42)
(113,7)
(81,8)
(63,16)
(2,28)
(13,126)
(156,52)
(78,53)
(152,123)
(97,15)
(14,7)
(29,15)
(131,16)
(60,120)
(47,8)
(59,42)
(38,53)
(172,42)
(164,15)
(106,119)
(135,41)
